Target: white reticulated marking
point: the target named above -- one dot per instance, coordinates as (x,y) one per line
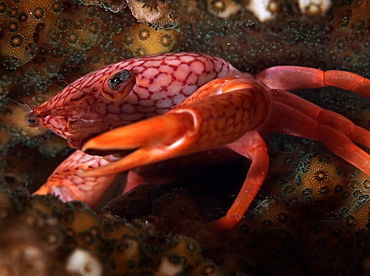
(192,79)
(179,98)
(128,108)
(219,64)
(174,88)
(151,63)
(182,72)
(78,180)
(228,69)
(314,7)
(142,92)
(146,103)
(55,123)
(260,8)
(149,73)
(209,64)
(113,108)
(166,69)
(160,83)
(204,78)
(84,263)
(189,89)
(163,79)
(164,103)
(197,67)
(135,69)
(173,61)
(186,58)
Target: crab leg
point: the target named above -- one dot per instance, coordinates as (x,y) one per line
(294,122)
(326,117)
(252,146)
(68,185)
(296,77)
(282,78)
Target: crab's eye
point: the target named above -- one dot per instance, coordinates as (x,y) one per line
(119,79)
(118,85)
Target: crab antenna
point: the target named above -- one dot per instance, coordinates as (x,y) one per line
(71,85)
(14,101)
(25,106)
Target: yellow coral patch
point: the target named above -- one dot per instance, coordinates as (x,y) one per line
(144,40)
(25,27)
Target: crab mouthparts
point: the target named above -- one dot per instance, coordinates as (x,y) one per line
(32,119)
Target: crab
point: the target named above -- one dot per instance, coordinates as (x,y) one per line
(153,108)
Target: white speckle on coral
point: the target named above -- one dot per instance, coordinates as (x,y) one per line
(222,8)
(314,7)
(169,269)
(84,263)
(261,9)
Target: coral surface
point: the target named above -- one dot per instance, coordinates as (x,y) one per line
(311,216)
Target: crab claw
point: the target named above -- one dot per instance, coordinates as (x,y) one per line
(156,138)
(216,119)
(68,186)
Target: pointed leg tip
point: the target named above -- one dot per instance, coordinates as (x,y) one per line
(89,145)
(62,192)
(43,190)
(225,223)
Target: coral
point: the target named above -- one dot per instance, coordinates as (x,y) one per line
(21,253)
(263,10)
(43,236)
(26,26)
(314,7)
(268,9)
(111,5)
(82,262)
(144,40)
(288,41)
(161,14)
(222,8)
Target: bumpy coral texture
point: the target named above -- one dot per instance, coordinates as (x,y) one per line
(311,215)
(41,236)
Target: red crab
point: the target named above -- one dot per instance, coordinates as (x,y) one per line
(175,104)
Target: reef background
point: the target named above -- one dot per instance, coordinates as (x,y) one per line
(311,216)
